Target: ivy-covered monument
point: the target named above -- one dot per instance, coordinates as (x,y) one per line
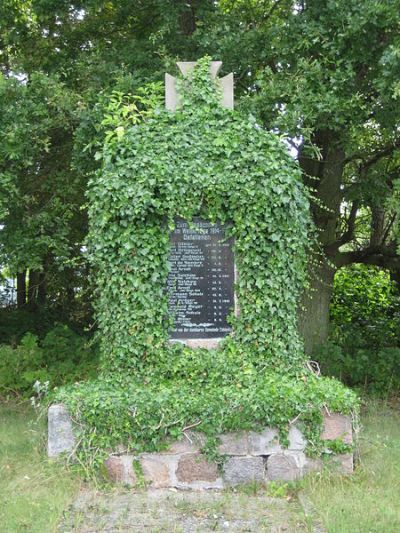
(181,195)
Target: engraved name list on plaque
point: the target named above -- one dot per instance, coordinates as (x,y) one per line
(201,280)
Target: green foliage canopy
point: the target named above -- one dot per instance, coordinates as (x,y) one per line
(39,194)
(325,74)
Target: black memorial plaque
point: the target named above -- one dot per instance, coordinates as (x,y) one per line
(200,281)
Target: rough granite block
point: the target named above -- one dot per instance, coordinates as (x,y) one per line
(297,442)
(195,468)
(264,443)
(234,443)
(239,470)
(343,463)
(337,426)
(120,469)
(60,435)
(313,465)
(286,466)
(157,469)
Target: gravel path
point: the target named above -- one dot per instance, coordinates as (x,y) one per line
(176,511)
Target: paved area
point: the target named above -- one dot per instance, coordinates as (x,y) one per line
(168,510)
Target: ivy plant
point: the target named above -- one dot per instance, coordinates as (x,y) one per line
(201,160)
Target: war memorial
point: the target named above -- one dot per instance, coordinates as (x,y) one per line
(199,229)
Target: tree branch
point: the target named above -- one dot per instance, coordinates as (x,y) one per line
(374,158)
(377,226)
(382,256)
(348,235)
(388,228)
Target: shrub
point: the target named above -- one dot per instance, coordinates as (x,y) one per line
(377,371)
(365,309)
(62,357)
(364,347)
(209,393)
(15,323)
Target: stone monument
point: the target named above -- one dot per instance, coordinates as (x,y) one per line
(225,83)
(201,297)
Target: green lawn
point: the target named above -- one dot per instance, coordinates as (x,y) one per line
(369,500)
(34,492)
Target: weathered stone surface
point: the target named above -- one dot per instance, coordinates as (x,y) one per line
(264,443)
(209,344)
(185,445)
(287,466)
(343,463)
(297,442)
(243,470)
(60,435)
(183,466)
(186,66)
(171,94)
(337,426)
(156,470)
(312,465)
(226,85)
(194,467)
(236,443)
(120,469)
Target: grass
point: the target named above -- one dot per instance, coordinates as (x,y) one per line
(369,500)
(33,491)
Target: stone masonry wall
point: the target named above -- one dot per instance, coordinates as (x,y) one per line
(250,456)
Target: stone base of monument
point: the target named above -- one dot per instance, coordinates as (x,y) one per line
(250,456)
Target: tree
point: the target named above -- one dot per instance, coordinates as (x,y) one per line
(322,73)
(326,75)
(42,225)
(63,63)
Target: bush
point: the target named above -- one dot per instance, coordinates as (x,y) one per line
(377,371)
(15,323)
(364,347)
(62,357)
(365,309)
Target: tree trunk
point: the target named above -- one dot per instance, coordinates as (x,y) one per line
(187,19)
(325,178)
(395,277)
(377,226)
(33,285)
(314,312)
(21,289)
(41,297)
